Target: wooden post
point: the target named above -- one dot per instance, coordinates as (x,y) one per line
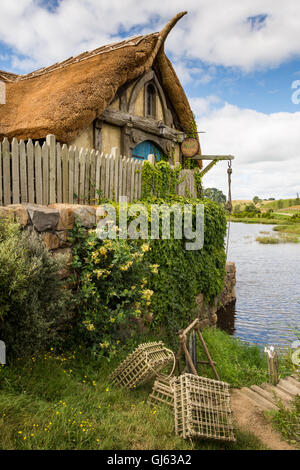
(272,359)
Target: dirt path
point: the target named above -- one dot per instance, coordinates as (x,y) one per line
(250,417)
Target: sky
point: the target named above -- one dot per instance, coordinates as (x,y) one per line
(238,61)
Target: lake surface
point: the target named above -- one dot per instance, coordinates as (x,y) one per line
(267,310)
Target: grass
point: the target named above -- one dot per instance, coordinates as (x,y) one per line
(287,421)
(260,220)
(64,402)
(282,238)
(292,229)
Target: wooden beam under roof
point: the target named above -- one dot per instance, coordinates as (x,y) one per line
(213,157)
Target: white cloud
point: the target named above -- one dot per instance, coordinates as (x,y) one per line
(266,149)
(215,31)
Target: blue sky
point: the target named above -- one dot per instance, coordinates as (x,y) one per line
(236,60)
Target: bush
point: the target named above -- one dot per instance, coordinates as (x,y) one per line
(173,276)
(33,300)
(111,281)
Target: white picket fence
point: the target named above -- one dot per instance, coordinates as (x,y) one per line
(55,173)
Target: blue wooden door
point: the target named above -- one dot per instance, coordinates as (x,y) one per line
(142,150)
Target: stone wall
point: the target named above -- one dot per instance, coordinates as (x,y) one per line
(208,313)
(53,223)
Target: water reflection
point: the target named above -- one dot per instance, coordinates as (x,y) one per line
(267,310)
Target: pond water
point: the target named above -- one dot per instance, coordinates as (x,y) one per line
(267,310)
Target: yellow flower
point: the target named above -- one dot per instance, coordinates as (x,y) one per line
(103,251)
(112,320)
(154,268)
(145,248)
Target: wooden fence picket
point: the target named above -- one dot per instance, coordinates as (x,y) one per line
(15,170)
(71,175)
(38,173)
(56,173)
(45,160)
(23,171)
(65,173)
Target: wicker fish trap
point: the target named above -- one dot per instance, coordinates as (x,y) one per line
(145,363)
(202,408)
(162,392)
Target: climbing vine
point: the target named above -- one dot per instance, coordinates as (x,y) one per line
(160,180)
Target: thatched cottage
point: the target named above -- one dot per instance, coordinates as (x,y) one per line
(124,95)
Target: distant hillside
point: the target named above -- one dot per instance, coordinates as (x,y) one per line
(292,204)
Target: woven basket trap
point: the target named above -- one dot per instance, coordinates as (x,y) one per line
(202,408)
(142,365)
(162,392)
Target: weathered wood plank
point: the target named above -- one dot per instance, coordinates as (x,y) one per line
(103,174)
(6,172)
(132,180)
(51,142)
(45,161)
(92,185)
(128,179)
(97,175)
(38,174)
(58,174)
(15,170)
(23,172)
(116,156)
(81,176)
(65,173)
(76,175)
(107,175)
(71,174)
(30,168)
(87,177)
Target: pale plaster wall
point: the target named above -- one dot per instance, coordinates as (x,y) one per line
(115,104)
(177,153)
(159,109)
(139,104)
(110,137)
(85,139)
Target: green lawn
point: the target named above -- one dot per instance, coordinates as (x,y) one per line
(65,402)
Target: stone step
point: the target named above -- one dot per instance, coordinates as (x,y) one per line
(258,399)
(237,391)
(264,393)
(296,376)
(285,384)
(294,382)
(285,397)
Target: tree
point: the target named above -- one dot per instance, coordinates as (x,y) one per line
(215,195)
(256,200)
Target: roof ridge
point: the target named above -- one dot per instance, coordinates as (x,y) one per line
(133,41)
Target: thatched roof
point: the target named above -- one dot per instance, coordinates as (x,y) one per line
(65,98)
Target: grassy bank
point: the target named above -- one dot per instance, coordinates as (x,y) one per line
(65,402)
(260,220)
(291,229)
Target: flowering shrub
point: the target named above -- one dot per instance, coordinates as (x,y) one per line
(111,278)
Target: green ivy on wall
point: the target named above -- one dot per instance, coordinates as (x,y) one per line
(108,294)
